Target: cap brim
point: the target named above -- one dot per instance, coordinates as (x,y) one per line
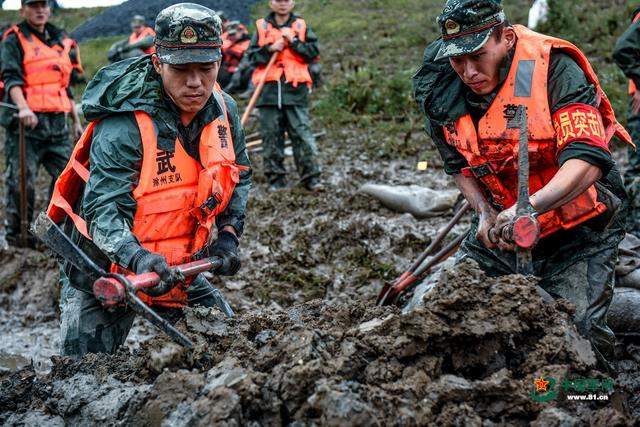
(188,56)
(464,45)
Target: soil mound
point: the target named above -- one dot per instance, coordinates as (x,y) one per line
(469,356)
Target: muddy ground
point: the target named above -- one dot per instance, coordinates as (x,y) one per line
(308,346)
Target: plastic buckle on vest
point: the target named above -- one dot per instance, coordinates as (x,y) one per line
(481,170)
(210,204)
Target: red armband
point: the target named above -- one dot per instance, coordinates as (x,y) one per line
(579,123)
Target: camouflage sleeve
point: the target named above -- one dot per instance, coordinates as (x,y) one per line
(568,85)
(143,44)
(234,214)
(11,59)
(627,53)
(308,49)
(258,55)
(108,204)
(453,161)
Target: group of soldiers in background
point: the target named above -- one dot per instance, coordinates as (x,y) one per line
(40,63)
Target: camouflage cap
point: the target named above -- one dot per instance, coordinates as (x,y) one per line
(232,27)
(138,18)
(188,33)
(467,24)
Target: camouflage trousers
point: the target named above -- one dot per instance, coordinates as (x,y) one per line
(86,327)
(294,119)
(574,265)
(47,145)
(632,176)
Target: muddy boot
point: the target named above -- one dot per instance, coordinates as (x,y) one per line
(279,183)
(314,184)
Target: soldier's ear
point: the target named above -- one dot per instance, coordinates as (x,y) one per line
(509,36)
(157,65)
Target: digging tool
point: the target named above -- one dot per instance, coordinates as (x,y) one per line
(256,94)
(393,292)
(22,154)
(113,290)
(24,215)
(524,231)
(409,275)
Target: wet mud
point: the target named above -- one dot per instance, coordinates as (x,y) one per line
(469,356)
(308,346)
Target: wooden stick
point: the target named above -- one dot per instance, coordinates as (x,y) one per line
(258,91)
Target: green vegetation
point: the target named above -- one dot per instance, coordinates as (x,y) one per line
(370,49)
(594,27)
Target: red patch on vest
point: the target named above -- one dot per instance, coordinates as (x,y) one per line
(579,123)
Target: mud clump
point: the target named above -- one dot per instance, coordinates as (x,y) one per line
(468,356)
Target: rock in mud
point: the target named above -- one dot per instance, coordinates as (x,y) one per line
(624,313)
(421,202)
(468,355)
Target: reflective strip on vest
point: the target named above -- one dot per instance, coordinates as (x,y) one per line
(178,198)
(491,150)
(47,73)
(289,63)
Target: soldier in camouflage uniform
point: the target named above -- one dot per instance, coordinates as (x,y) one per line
(482,64)
(284,104)
(173,88)
(47,131)
(627,56)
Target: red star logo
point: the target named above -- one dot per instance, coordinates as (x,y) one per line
(541,385)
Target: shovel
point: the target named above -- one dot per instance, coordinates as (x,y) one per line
(391,291)
(256,94)
(114,290)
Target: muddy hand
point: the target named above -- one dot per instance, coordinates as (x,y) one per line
(504,221)
(28,118)
(486,223)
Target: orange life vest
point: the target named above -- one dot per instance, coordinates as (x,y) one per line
(632,85)
(71,45)
(47,73)
(491,149)
(146,32)
(233,52)
(178,198)
(289,63)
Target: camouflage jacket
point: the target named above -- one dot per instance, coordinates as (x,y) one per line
(111,98)
(443,98)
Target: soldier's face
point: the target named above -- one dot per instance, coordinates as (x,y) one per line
(282,7)
(36,14)
(480,71)
(188,85)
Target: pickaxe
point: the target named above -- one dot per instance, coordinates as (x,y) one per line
(114,290)
(22,155)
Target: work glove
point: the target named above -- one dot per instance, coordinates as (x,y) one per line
(225,248)
(144,262)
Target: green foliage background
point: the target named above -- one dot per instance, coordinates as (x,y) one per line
(370,49)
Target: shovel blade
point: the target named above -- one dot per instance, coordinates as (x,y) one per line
(55,239)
